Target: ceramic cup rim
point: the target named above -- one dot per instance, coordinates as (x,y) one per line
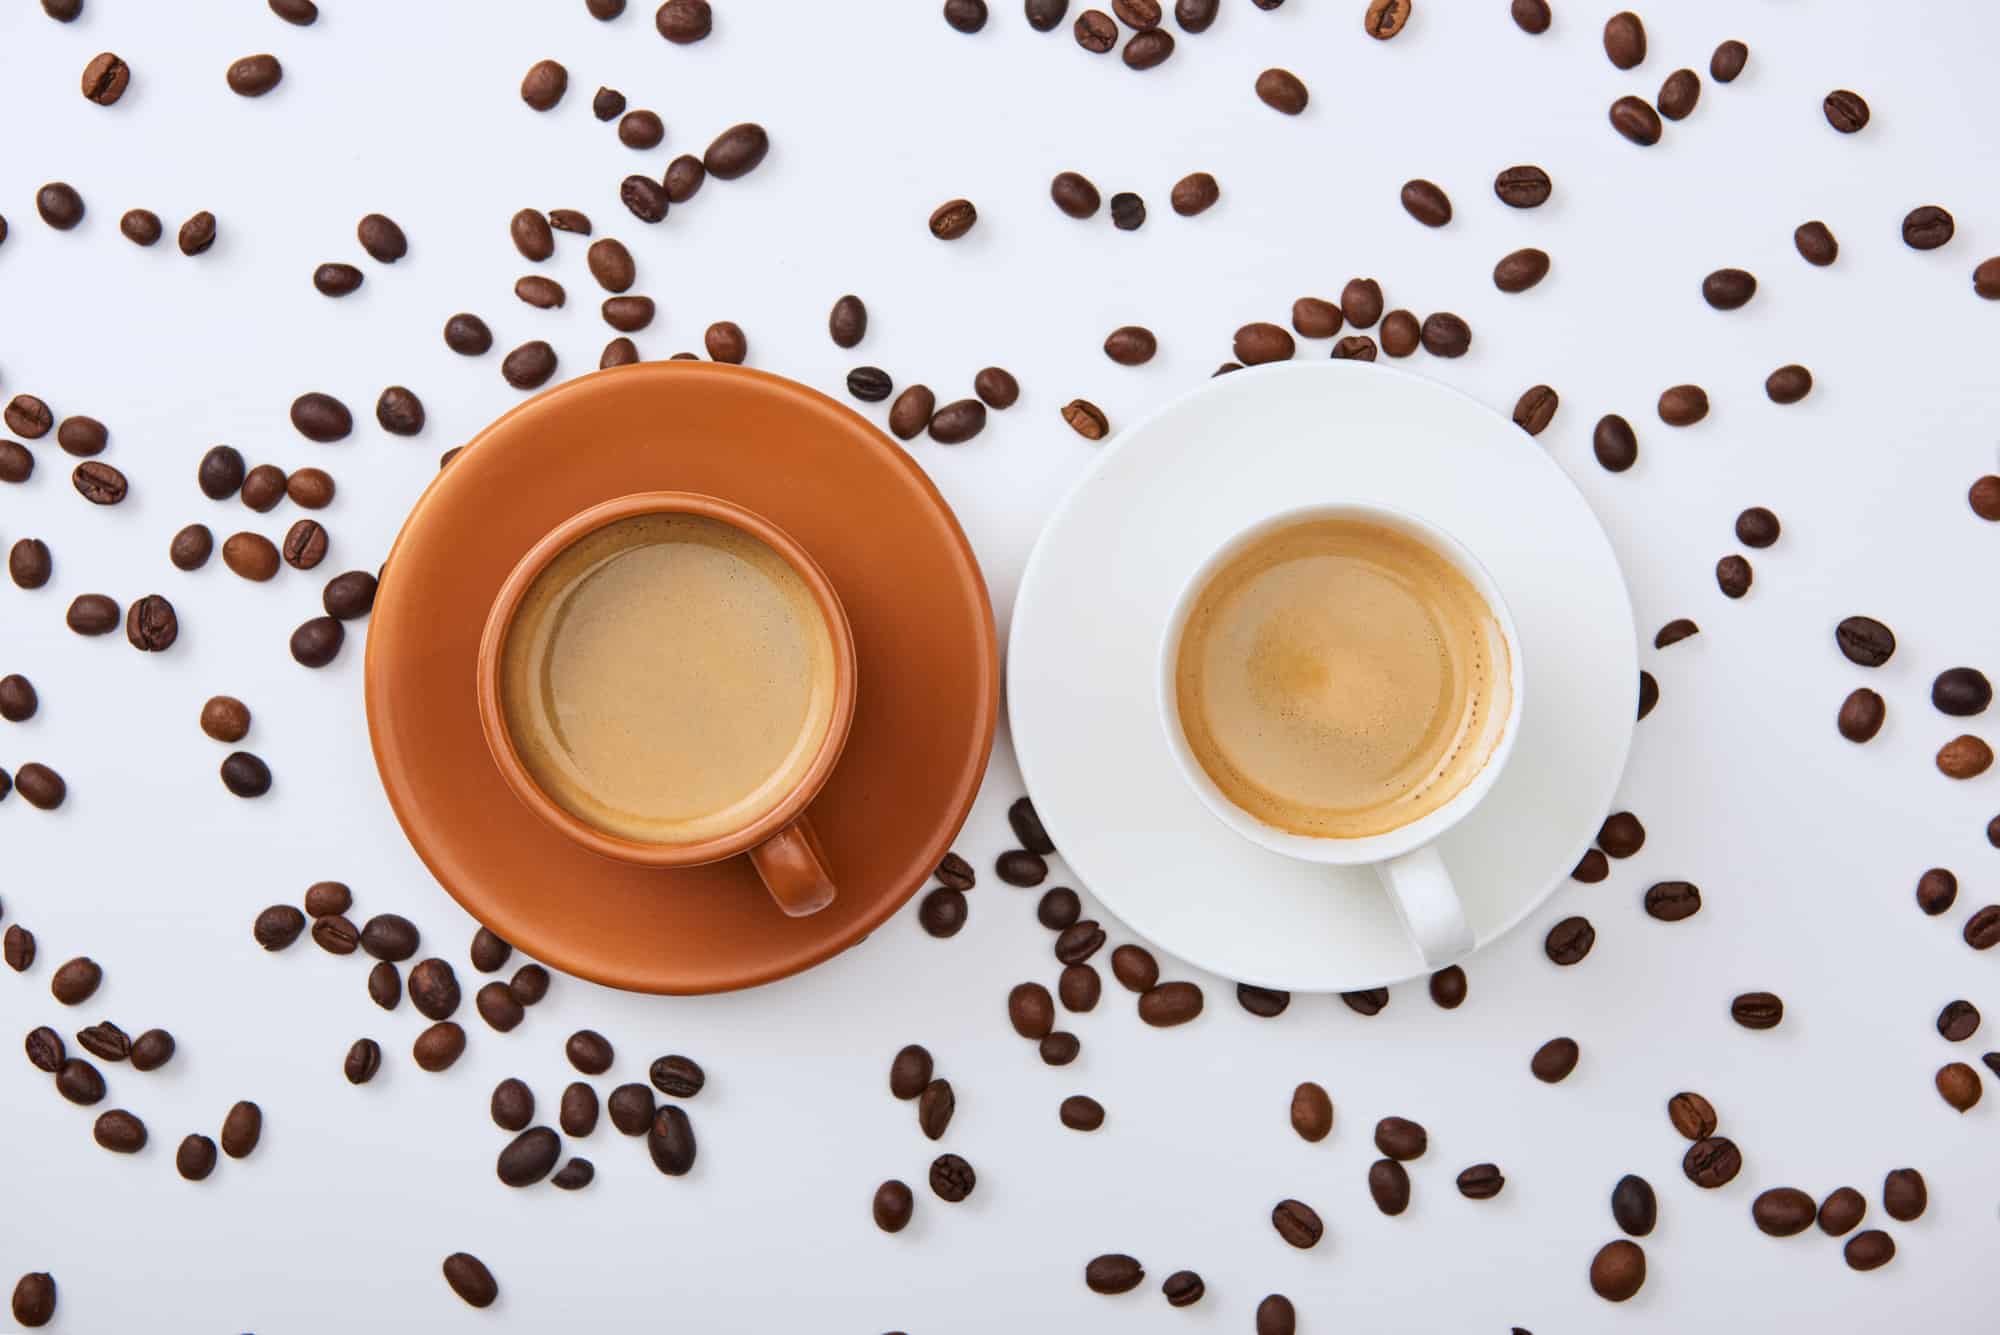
(500,619)
(1362,849)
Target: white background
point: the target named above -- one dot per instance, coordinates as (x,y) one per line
(1805,847)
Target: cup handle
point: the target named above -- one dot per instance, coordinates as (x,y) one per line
(1421,889)
(793,865)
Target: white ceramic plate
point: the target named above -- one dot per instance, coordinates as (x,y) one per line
(1082,663)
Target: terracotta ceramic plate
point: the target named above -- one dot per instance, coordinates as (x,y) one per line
(923,632)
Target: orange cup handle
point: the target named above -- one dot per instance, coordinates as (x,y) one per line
(793,865)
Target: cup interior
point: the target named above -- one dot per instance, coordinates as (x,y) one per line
(506,754)
(1326,849)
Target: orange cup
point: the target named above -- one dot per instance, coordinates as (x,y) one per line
(781,843)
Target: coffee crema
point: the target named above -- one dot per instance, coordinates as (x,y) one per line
(668,678)
(1338,678)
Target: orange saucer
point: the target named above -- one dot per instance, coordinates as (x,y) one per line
(924,641)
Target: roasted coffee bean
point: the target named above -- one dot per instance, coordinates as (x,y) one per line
(197,234)
(1729,289)
(141,227)
(1783,1211)
(1170,1004)
(305,545)
(1788,384)
(385,986)
(1368,1001)
(220,473)
(577,1113)
(1570,940)
(1757,1010)
(82,436)
(529,1157)
(1554,1060)
(544,84)
(1079,1112)
(846,323)
(1446,335)
(1086,419)
(1135,968)
(529,366)
(681,1077)
(439,1046)
(191,547)
(242,1128)
(1113,1273)
(684,21)
(34,1301)
(105,1041)
(1425,202)
(317,642)
(28,417)
(1728,61)
(1262,342)
(1937,891)
(75,982)
(1139,15)
(1184,1288)
(641,129)
(574,1175)
(335,934)
(468,335)
(935,1106)
(321,417)
(1019,867)
(1904,1194)
(1266,1003)
(382,238)
(1986,283)
(278,926)
(952,1178)
(1614,443)
(943,912)
(1982,929)
(497,1006)
(1535,409)
(570,220)
(631,1109)
(1031,1010)
(1673,901)
(635,313)
(870,384)
(736,151)
(105,79)
(1958,1085)
(1079,941)
(892,1206)
(60,206)
(1635,118)
(724,340)
(1679,94)
(607,104)
(1148,49)
(1865,641)
(1481,1182)
(589,1051)
(1401,1139)
(1045,15)
(1961,692)
(1680,628)
(1281,90)
(1757,527)
(1621,835)
(119,1131)
(1964,757)
(1095,32)
(250,555)
(997,388)
(254,76)
(18,701)
(620,351)
(1355,348)
(1592,867)
(40,787)
(152,1049)
(1314,318)
(911,412)
(1712,1161)
(434,989)
(644,197)
(1448,987)
(1079,987)
(195,1158)
(1383,19)
(953,219)
(45,1049)
(1869,1249)
(313,488)
(1841,1210)
(529,984)
(79,1082)
(540,292)
(1692,1115)
(1275,1315)
(364,1059)
(1816,245)
(1618,1270)
(1073,194)
(17,463)
(17,944)
(322,897)
(958,421)
(1625,40)
(1733,576)
(1297,1223)
(1389,1185)
(1523,187)
(512,1105)
(465,1273)
(1312,1112)
(1683,405)
(1131,345)
(1845,111)
(911,1071)
(98,482)
(263,487)
(1194,193)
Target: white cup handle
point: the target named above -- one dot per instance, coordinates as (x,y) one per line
(1421,889)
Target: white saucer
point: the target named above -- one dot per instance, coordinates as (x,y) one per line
(1094,600)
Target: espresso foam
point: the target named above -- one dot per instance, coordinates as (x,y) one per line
(668,678)
(1339,678)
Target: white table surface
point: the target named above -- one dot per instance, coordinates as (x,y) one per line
(1805,847)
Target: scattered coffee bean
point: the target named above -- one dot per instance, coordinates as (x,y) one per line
(1783,1212)
(935,1106)
(911,412)
(1149,48)
(1354,348)
(1729,289)
(529,985)
(1383,19)
(736,151)
(1570,940)
(1937,891)
(1312,1112)
(684,21)
(104,1041)
(385,986)
(197,234)
(1086,419)
(439,1046)
(17,463)
(254,76)
(1532,17)
(1389,1185)
(1481,1182)
(434,989)
(82,436)
(335,934)
(607,104)
(1095,32)
(1266,1003)
(1816,245)
(1958,1021)
(467,1274)
(1262,342)
(1523,187)
(724,340)
(870,384)
(119,1131)
(1314,318)
(263,488)
(195,1158)
(577,1113)
(542,293)
(1113,1273)
(1625,40)
(1673,901)
(631,1108)
(1982,929)
(680,1077)
(512,1105)
(1425,202)
(574,1175)
(152,1049)
(60,206)
(611,264)
(589,1052)
(620,351)
(1079,1112)
(1046,15)
(1131,345)
(1535,409)
(105,79)
(1865,641)
(1757,1010)
(313,488)
(498,1007)
(79,1082)
(1757,527)
(943,912)
(953,219)
(98,482)
(1074,195)
(1692,1115)
(572,221)
(996,388)
(1635,118)
(1078,942)
(1683,405)
(1554,1060)
(910,1071)
(1446,335)
(1031,1010)
(1680,628)
(1079,987)
(1869,1249)
(321,417)
(1592,867)
(1195,193)
(1964,757)
(1297,1223)
(317,642)
(1614,443)
(893,1206)
(529,366)
(1733,576)
(34,1301)
(1448,987)
(305,545)
(1679,94)
(1845,111)
(1401,1139)
(364,1059)
(544,84)
(1634,1205)
(322,897)
(1713,1161)
(40,787)
(1841,1210)
(1135,968)
(1618,1270)
(1986,278)
(1904,1194)
(641,129)
(1788,384)
(141,227)
(382,238)
(1281,90)
(28,417)
(242,1128)
(18,701)
(278,926)
(1019,867)
(1369,1001)
(958,421)
(250,555)
(529,1157)
(1170,1004)
(191,547)
(1961,692)
(952,1178)
(1728,61)
(645,198)
(45,1049)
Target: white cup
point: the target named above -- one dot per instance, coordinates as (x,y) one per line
(1406,857)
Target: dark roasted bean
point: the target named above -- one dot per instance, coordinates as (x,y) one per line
(1554,1060)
